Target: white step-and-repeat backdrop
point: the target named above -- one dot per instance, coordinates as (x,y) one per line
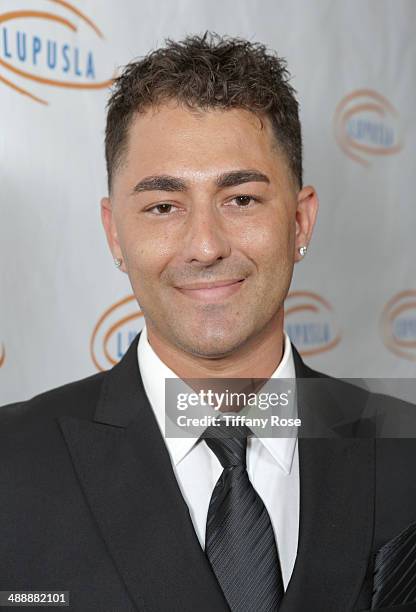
(66,312)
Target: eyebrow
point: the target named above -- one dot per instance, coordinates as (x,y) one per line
(164,182)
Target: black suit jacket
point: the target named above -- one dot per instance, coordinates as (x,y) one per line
(90,503)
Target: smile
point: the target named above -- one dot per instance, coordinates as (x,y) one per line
(212,292)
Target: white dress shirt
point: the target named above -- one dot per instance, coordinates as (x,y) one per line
(272,463)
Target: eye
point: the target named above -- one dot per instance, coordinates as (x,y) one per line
(163,209)
(244,201)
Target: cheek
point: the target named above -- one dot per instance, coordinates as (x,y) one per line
(147,255)
(267,244)
(145,265)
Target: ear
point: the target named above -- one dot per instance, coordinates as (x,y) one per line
(306,211)
(107,218)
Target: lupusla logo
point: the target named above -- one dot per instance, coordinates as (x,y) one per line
(398,324)
(310,323)
(366,125)
(2,355)
(61,48)
(114,332)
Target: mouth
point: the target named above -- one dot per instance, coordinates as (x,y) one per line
(212,292)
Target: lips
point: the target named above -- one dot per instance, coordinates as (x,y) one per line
(213,291)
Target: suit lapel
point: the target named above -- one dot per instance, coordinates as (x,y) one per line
(336,504)
(126,474)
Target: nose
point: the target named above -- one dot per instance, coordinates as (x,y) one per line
(206,239)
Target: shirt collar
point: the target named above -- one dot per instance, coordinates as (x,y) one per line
(154,371)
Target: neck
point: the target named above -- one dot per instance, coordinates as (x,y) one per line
(258,357)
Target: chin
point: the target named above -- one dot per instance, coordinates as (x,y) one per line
(219,343)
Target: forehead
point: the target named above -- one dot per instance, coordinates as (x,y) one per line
(172,138)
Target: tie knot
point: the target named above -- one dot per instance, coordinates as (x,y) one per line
(228,442)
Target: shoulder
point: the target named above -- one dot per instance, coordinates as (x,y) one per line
(78,398)
(354,401)
(359,389)
(342,396)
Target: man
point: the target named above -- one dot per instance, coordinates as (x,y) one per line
(207,214)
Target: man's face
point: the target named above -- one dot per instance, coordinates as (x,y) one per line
(205,199)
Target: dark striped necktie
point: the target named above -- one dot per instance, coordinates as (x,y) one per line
(239,540)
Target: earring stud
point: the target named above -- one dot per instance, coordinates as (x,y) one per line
(117,262)
(302,250)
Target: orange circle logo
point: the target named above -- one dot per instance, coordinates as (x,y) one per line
(398,324)
(310,323)
(115,330)
(366,125)
(39,46)
(2,355)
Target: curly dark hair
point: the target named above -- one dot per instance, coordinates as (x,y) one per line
(206,72)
